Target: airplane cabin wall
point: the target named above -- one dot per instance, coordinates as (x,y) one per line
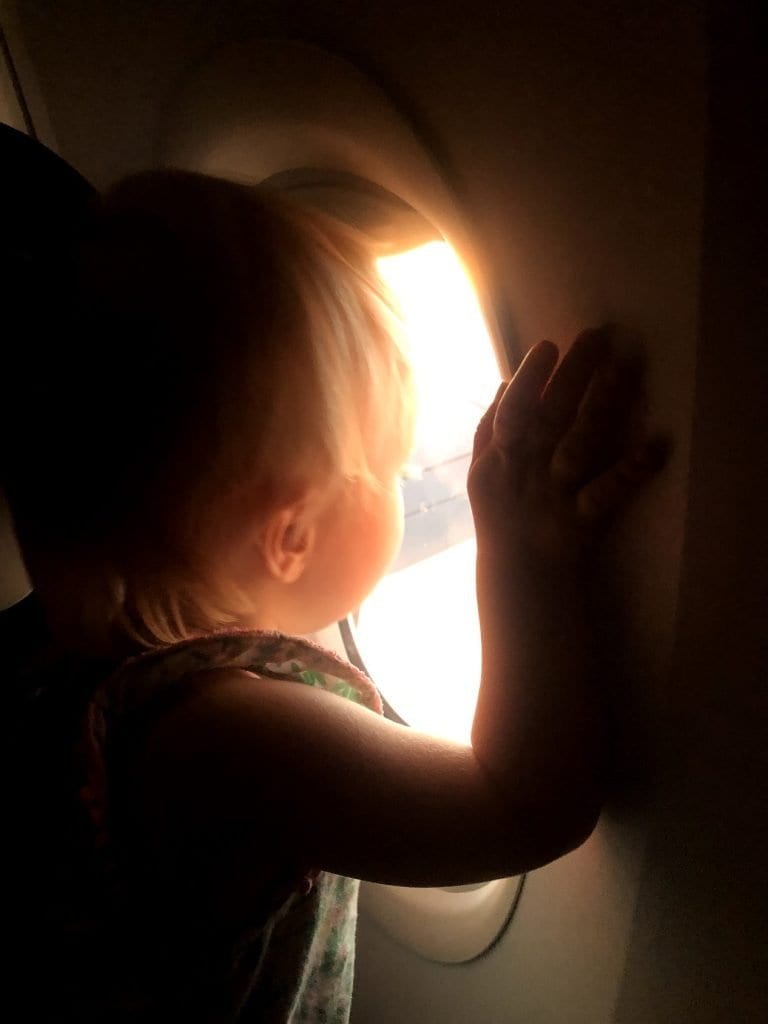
(699,951)
(590,157)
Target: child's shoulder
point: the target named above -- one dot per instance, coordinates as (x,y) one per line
(203,729)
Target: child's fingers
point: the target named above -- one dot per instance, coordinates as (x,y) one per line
(604,496)
(520,401)
(569,384)
(593,440)
(484,431)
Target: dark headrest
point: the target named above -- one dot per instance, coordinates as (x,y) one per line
(43,197)
(43,205)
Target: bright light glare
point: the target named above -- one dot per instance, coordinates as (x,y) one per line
(419,636)
(449,348)
(418,632)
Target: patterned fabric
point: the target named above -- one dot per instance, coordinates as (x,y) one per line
(140,941)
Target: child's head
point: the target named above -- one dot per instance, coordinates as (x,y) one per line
(230,374)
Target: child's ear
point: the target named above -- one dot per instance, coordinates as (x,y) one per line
(287,541)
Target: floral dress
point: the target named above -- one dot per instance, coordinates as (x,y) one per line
(126,938)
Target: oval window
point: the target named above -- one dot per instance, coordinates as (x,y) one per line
(418,633)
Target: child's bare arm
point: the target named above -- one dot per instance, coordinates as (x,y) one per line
(364,797)
(550,472)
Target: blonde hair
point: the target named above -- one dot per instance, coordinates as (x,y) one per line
(227,350)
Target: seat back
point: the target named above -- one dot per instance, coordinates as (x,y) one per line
(43,201)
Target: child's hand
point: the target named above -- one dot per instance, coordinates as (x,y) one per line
(552,464)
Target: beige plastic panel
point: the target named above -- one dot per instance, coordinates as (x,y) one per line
(10,111)
(26,77)
(14,581)
(449,926)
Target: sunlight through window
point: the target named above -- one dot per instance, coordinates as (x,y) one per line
(418,632)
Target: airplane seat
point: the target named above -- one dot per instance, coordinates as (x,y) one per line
(43,201)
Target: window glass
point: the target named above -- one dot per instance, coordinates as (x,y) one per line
(418,632)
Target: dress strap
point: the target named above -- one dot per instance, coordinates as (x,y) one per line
(276,655)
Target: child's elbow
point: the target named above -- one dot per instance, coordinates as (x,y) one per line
(560,828)
(578,827)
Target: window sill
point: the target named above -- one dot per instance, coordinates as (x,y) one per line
(449,926)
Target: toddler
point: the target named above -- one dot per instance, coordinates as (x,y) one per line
(222,418)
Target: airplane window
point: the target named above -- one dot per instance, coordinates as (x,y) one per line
(418,633)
